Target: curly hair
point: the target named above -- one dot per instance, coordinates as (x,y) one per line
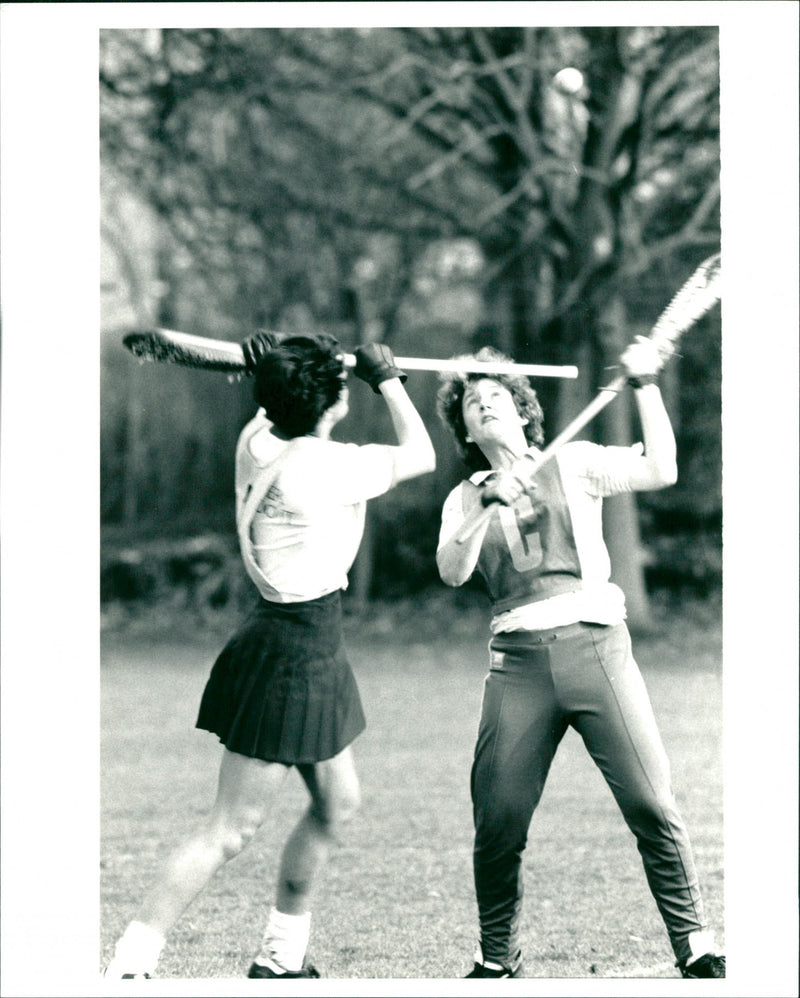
(298,381)
(450,398)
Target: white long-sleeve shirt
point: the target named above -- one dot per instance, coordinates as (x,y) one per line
(307,529)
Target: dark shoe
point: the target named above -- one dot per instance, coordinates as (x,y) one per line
(259,970)
(479,970)
(709,965)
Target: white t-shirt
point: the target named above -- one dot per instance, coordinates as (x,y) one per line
(588,472)
(307,529)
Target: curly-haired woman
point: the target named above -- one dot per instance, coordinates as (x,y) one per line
(281,694)
(560,651)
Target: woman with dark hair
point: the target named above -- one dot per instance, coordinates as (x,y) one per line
(560,651)
(282,694)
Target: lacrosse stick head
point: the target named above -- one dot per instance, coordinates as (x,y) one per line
(699,294)
(168,346)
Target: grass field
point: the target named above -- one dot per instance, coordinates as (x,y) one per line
(397,901)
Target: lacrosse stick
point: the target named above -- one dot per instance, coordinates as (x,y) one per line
(692,301)
(223,355)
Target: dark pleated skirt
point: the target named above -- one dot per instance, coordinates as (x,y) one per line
(282,689)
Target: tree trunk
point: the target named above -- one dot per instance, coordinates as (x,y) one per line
(620,513)
(134,448)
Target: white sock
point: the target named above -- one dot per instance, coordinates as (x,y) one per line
(489,964)
(136,952)
(285,941)
(701,943)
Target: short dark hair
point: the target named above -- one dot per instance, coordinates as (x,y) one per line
(450,398)
(298,381)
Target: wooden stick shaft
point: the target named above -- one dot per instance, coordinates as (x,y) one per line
(231,353)
(476,367)
(474,523)
(598,403)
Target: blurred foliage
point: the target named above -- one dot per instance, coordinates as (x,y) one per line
(197,585)
(431,187)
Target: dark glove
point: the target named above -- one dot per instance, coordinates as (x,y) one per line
(375,364)
(256,346)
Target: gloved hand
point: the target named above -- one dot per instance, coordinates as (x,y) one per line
(375,364)
(256,346)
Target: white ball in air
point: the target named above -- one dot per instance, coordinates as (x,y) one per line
(569,80)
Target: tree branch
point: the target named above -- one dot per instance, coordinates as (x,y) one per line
(691,234)
(441,165)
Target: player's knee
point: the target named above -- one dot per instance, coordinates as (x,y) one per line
(234,835)
(348,804)
(334,810)
(503,820)
(495,844)
(652,817)
(230,843)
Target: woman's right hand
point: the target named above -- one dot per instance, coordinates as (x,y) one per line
(502,486)
(375,364)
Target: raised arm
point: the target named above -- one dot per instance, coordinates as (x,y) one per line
(414,454)
(658,467)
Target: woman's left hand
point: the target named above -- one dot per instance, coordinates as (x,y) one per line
(641,360)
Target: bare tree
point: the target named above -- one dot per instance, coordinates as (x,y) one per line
(274,154)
